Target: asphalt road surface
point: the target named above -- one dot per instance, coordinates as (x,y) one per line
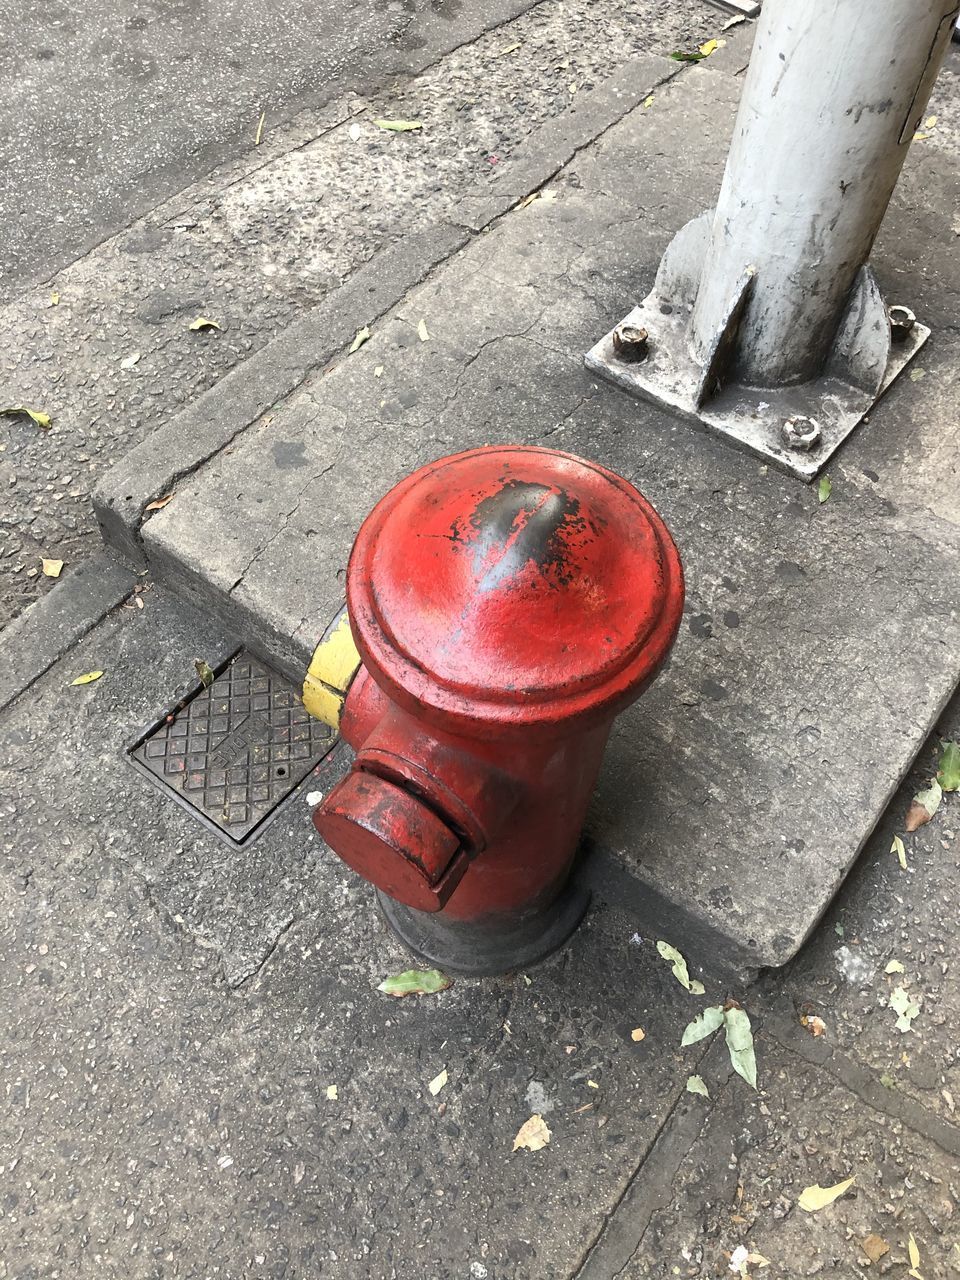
(110,106)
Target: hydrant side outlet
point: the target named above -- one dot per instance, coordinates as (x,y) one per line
(507,603)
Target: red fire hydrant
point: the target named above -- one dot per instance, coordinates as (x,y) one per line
(506,603)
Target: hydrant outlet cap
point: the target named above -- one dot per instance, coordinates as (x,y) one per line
(514,585)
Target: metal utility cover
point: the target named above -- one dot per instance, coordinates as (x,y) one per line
(232,752)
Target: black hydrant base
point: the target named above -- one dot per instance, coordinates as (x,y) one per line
(490,946)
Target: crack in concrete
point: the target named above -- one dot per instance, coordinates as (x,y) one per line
(865,1085)
(272,945)
(285,520)
(618,1238)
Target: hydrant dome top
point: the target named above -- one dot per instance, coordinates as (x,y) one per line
(514,584)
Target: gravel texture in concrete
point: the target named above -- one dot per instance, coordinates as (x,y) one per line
(267,236)
(201,1078)
(108,110)
(758,764)
(175,1015)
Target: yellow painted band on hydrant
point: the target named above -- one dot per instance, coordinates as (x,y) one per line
(334,663)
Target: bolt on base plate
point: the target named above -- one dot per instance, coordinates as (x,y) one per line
(749,418)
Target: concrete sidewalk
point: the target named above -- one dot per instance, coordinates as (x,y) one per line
(821,641)
(201,1079)
(262,242)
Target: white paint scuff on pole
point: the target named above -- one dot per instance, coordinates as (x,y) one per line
(770,291)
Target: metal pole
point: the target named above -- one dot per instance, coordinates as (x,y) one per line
(765,322)
(833,95)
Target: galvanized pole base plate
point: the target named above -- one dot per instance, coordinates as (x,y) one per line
(749,418)
(233,752)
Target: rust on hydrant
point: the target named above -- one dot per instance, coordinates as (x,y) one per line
(507,604)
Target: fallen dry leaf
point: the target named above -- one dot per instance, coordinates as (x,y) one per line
(914,1253)
(679,967)
(333,1092)
(511,48)
(203,322)
(904,1005)
(703,1025)
(817,1197)
(898,848)
(51,568)
(437,1083)
(874,1247)
(398,126)
(54,299)
(204,671)
(159,503)
(128,362)
(925,805)
(816,1026)
(258,136)
(739,1034)
(532,1135)
(88,678)
(21,410)
(363,335)
(638,1033)
(695,1084)
(894,967)
(422,332)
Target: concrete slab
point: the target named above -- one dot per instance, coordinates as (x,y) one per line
(35,640)
(821,641)
(202,1109)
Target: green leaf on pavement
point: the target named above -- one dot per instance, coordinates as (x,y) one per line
(740,1044)
(88,678)
(363,335)
(399,126)
(824,489)
(679,966)
(705,1024)
(679,56)
(415,982)
(904,1005)
(948,774)
(21,410)
(695,1085)
(204,671)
